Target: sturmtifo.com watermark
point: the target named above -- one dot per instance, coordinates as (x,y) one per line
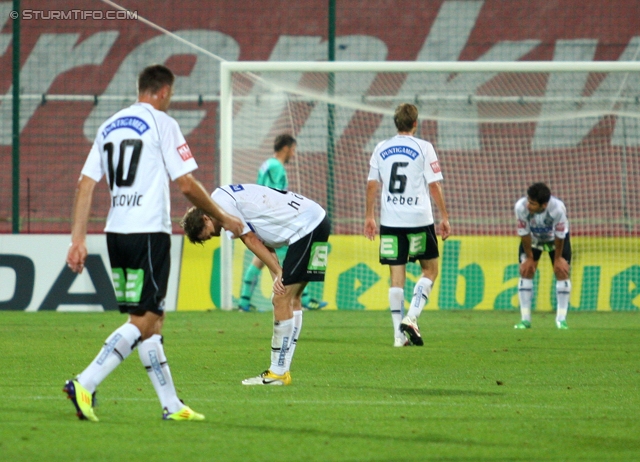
(96,15)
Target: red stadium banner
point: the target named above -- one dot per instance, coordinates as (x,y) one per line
(92,48)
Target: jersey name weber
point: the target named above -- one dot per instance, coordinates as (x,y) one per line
(405,165)
(139,149)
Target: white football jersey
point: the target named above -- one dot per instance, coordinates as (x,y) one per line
(138,149)
(278,218)
(405,165)
(544,227)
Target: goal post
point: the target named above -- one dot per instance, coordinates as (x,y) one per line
(495,125)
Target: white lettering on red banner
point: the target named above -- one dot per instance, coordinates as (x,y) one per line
(435,166)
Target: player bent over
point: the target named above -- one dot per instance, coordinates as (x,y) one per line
(273,174)
(543,227)
(138,150)
(273,219)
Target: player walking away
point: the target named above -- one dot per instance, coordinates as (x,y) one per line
(138,149)
(273,174)
(410,174)
(543,227)
(273,219)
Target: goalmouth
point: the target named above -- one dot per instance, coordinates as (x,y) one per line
(496,126)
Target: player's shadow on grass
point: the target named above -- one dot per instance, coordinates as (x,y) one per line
(418,437)
(332,340)
(612,443)
(421,391)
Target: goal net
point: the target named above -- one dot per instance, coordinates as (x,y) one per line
(497,128)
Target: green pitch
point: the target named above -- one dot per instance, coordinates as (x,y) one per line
(478,390)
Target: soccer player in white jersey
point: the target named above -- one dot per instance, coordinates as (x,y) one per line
(410,174)
(273,174)
(543,227)
(273,219)
(138,149)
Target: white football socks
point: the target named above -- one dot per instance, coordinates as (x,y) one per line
(282,334)
(421,293)
(152,355)
(525,295)
(396,306)
(297,327)
(563,293)
(115,350)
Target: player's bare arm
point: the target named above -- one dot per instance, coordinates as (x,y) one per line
(197,195)
(77,253)
(274,256)
(370,227)
(262,252)
(436,192)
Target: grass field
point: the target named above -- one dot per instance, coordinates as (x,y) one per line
(477,391)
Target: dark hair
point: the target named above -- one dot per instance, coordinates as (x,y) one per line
(193,224)
(405,116)
(153,78)
(283,141)
(539,192)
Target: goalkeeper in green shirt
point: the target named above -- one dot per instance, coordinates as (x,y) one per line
(273,175)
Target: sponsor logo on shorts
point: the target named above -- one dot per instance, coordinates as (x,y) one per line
(389,247)
(128,285)
(417,243)
(319,257)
